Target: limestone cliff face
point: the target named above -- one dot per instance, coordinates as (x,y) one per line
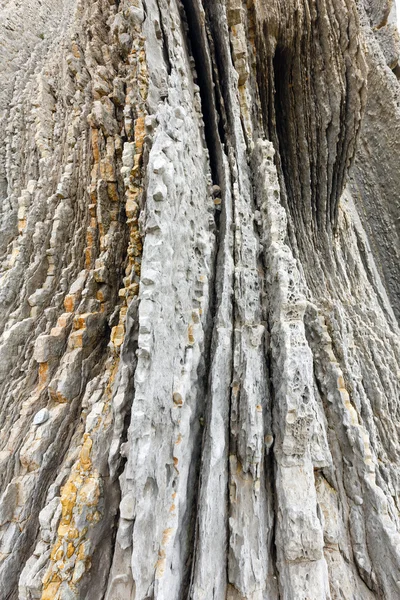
(199,294)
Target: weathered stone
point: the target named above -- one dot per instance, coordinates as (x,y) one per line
(199,281)
(41,417)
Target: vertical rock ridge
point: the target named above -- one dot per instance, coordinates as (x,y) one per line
(199,351)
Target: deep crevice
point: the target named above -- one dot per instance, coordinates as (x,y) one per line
(198,43)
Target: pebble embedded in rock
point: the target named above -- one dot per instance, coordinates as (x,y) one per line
(127,507)
(41,417)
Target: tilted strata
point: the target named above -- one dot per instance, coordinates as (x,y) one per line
(199,286)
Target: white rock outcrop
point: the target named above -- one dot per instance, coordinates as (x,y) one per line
(199,300)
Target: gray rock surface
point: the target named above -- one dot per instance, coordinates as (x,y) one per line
(199,300)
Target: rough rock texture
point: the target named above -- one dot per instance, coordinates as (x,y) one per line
(199,294)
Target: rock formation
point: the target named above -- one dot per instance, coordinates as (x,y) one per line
(199,300)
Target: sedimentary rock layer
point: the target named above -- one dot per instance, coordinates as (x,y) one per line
(199,286)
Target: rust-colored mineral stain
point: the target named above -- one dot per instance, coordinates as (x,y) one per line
(69,303)
(84,456)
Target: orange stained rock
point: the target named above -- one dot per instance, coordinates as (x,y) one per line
(92,189)
(235,388)
(136,238)
(89,494)
(72,533)
(68,499)
(69,302)
(80,321)
(94,175)
(160,565)
(190,334)
(21,225)
(63,320)
(54,551)
(117,334)
(135,171)
(95,145)
(81,551)
(89,256)
(114,212)
(166,536)
(50,590)
(56,331)
(75,50)
(57,397)
(76,339)
(101,295)
(134,288)
(131,207)
(177,398)
(63,532)
(91,235)
(43,374)
(139,135)
(84,456)
(94,518)
(112,190)
(70,550)
(107,169)
(123,312)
